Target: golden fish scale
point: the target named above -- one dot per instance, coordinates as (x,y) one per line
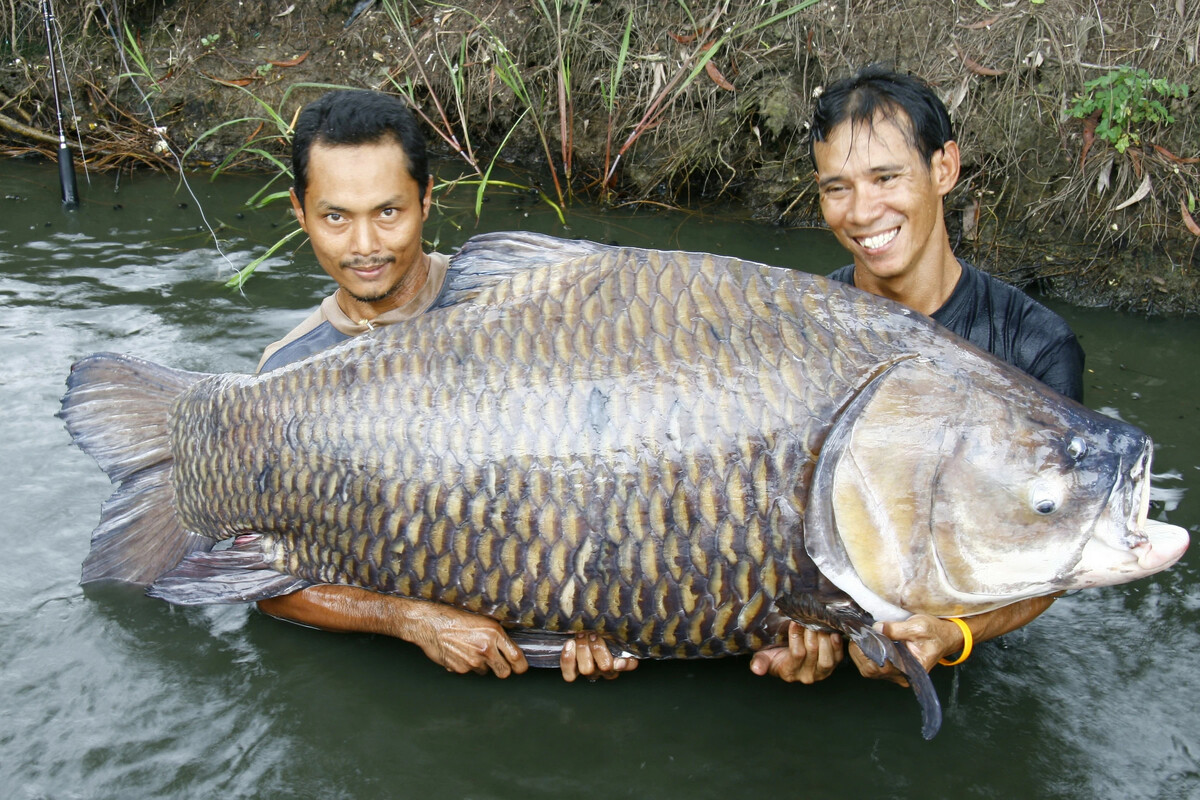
(615,444)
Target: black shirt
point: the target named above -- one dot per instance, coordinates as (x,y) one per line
(1010,325)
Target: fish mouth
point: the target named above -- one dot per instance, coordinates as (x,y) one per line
(1146,546)
(1157,544)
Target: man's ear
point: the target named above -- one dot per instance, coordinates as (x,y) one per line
(945,166)
(297,208)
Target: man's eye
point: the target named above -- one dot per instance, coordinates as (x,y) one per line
(388,212)
(334,217)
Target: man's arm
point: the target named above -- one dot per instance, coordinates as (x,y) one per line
(457,640)
(931,639)
(810,656)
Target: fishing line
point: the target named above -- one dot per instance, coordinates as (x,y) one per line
(159,130)
(66,165)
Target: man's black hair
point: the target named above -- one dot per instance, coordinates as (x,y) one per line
(876,91)
(356,116)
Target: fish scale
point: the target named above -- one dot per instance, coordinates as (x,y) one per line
(579,509)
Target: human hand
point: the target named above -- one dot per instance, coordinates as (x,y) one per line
(463,642)
(809,656)
(586,654)
(927,638)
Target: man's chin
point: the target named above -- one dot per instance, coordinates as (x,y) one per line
(372,292)
(368,298)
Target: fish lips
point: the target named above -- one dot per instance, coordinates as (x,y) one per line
(1135,545)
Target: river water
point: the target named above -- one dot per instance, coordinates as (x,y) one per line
(110,694)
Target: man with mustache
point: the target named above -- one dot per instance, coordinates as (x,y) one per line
(362,194)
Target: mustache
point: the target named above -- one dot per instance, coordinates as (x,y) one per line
(367,263)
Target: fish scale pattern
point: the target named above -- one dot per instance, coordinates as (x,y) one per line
(620,442)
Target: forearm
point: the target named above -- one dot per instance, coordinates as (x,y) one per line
(458,640)
(347,609)
(1007,619)
(931,639)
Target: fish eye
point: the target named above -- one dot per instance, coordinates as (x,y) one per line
(1077,448)
(1045,506)
(1045,497)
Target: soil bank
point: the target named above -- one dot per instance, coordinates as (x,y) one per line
(688,104)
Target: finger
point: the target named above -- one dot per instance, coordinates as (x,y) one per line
(622,664)
(498,663)
(828,655)
(870,669)
(567,662)
(583,657)
(797,638)
(760,662)
(514,655)
(816,664)
(601,657)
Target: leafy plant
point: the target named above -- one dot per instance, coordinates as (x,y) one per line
(133,52)
(1127,99)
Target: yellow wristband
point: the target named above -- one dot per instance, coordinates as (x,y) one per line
(968,643)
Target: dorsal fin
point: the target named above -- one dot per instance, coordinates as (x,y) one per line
(490,258)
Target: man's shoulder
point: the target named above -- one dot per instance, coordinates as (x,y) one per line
(313,322)
(1002,299)
(1012,326)
(845,274)
(320,338)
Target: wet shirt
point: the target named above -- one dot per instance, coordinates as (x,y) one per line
(1010,325)
(328,324)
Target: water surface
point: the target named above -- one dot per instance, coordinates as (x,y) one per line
(110,694)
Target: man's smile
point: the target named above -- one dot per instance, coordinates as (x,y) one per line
(877,240)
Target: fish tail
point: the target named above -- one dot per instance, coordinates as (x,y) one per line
(117,409)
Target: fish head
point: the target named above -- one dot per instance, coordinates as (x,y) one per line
(954,490)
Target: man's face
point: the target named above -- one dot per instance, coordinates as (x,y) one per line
(363,213)
(881,200)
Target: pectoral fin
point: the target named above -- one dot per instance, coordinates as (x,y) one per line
(855,623)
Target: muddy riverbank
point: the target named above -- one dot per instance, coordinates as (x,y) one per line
(687,104)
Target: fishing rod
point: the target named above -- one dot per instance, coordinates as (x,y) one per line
(66,162)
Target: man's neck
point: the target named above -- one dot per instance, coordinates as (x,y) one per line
(925,289)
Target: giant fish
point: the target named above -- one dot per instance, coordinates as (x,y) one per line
(678,450)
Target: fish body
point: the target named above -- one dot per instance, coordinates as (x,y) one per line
(670,448)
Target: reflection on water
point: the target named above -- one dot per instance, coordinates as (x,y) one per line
(109,694)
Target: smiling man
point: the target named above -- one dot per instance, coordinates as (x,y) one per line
(885,158)
(362,194)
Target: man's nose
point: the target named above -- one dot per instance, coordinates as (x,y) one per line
(863,205)
(363,238)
